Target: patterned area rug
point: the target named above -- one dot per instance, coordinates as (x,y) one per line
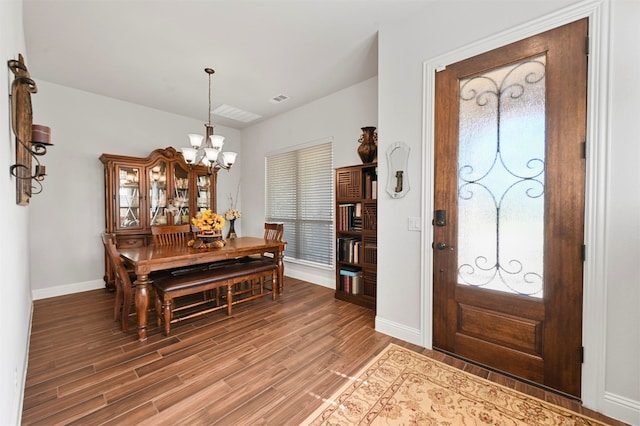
(402,387)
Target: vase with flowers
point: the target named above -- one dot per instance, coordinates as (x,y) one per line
(232,214)
(210,226)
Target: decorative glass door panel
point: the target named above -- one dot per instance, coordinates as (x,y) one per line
(180,195)
(203,196)
(128,197)
(509,185)
(501,165)
(158,194)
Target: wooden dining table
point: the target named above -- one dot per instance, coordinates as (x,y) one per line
(151,258)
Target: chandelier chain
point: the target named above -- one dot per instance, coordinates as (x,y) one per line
(209,100)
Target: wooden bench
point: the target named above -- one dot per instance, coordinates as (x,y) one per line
(169,287)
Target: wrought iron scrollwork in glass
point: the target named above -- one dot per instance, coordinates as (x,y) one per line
(501,179)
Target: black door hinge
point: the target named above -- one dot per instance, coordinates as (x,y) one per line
(582,354)
(586,45)
(584,253)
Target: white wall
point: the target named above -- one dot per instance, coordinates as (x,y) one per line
(70,210)
(623,211)
(339,117)
(15,315)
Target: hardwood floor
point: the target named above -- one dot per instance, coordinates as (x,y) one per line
(270,363)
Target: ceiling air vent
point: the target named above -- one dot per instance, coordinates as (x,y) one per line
(235,113)
(279,98)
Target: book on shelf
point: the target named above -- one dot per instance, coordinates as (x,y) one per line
(356,219)
(351,281)
(348,249)
(370,186)
(350,217)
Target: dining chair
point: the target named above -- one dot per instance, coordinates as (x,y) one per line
(164,235)
(171,234)
(124,286)
(272,231)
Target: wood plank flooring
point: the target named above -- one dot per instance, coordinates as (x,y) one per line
(270,363)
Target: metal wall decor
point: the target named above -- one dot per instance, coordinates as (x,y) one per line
(501,164)
(398,176)
(32,140)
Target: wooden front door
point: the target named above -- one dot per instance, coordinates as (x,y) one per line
(509,199)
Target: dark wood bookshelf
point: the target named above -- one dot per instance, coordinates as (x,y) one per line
(356,234)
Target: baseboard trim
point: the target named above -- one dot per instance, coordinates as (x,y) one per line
(399,331)
(310,274)
(23,382)
(621,408)
(292,270)
(44,293)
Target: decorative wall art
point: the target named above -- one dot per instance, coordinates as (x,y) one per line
(32,140)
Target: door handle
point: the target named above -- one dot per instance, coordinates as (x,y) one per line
(441,246)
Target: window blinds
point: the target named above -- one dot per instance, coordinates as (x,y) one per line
(299,193)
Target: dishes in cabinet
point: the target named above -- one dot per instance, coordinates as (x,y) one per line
(182,183)
(180,202)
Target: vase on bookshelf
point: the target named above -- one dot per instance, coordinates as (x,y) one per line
(368,149)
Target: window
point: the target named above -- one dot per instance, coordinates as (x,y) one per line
(299,193)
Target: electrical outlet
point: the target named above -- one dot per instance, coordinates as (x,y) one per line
(413,223)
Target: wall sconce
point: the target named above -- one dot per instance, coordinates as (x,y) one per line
(32,140)
(398,177)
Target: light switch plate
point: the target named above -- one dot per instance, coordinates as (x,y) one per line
(413,223)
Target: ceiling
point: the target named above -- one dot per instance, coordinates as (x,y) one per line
(153,52)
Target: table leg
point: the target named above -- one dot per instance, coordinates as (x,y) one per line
(279,256)
(142,304)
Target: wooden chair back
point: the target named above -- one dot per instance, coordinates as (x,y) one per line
(171,234)
(124,287)
(109,241)
(273,231)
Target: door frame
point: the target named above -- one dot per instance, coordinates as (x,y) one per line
(598,106)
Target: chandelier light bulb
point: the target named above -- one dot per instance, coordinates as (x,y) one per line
(189,155)
(217,141)
(211,154)
(195,140)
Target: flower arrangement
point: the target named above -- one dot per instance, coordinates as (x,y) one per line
(208,221)
(232,214)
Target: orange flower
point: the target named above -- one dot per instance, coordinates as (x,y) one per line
(207,220)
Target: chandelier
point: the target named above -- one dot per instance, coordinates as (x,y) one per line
(210,152)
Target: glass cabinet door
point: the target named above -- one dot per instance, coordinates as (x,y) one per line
(203,194)
(158,194)
(128,200)
(180,195)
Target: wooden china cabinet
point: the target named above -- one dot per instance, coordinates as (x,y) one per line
(160,189)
